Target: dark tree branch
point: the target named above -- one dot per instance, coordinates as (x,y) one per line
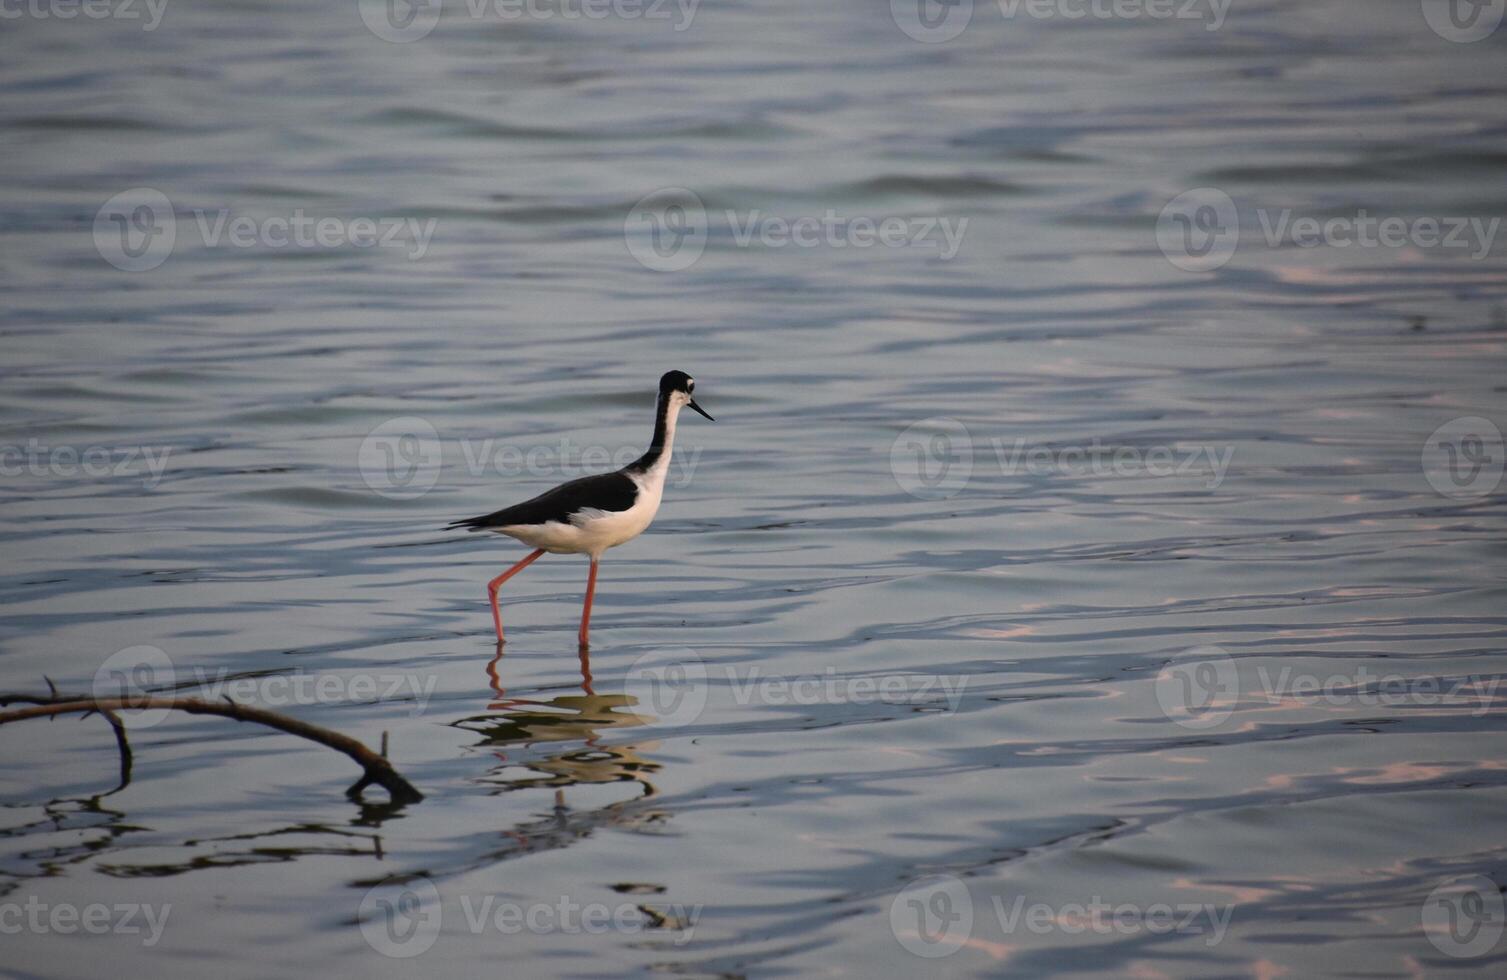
(376,769)
(125,749)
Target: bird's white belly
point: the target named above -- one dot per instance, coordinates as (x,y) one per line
(591,531)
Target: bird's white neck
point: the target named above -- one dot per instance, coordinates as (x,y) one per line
(655,462)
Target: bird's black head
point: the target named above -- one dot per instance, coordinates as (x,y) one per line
(678,386)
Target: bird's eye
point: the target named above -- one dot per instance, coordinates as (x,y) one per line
(690,386)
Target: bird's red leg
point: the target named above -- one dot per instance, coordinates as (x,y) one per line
(496,584)
(591,588)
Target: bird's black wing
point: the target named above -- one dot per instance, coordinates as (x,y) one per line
(605,491)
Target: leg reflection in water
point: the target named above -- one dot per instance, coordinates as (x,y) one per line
(494,680)
(526,734)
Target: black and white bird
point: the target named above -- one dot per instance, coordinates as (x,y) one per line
(590,515)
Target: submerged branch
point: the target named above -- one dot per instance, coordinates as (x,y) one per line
(376,768)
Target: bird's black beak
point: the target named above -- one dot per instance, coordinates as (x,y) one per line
(700,411)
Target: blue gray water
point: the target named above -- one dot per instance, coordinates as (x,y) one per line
(1065,541)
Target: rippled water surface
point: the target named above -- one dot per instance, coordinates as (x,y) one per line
(1048,566)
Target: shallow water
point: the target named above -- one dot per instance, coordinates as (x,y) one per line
(1048,565)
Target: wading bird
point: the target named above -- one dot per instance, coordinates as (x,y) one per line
(590,515)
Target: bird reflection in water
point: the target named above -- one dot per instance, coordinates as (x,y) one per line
(557,743)
(576,718)
(521,733)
